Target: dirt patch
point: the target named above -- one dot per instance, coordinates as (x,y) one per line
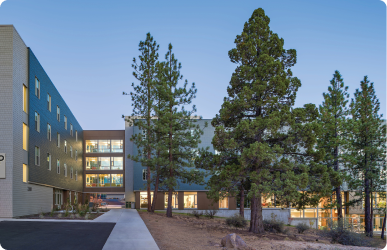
(55,216)
(187,232)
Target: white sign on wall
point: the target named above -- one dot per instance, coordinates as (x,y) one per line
(2,165)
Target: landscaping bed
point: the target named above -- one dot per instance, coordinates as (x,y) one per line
(61,216)
(187,232)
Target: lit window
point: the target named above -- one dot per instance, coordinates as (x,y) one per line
(71,151)
(91,146)
(104,180)
(144,199)
(65,122)
(49,102)
(25,99)
(57,166)
(71,129)
(37,156)
(49,161)
(190,200)
(144,174)
(25,137)
(37,87)
(48,131)
(58,140)
(37,121)
(117,163)
(175,200)
(117,146)
(91,180)
(58,113)
(117,180)
(25,173)
(65,169)
(223,203)
(65,146)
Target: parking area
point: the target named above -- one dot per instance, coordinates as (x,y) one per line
(16,235)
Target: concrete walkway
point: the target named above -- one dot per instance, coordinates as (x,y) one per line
(130,231)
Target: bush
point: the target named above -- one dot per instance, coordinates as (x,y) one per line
(237,221)
(274,225)
(197,214)
(344,234)
(211,213)
(302,227)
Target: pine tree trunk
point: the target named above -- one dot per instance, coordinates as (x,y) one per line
(156,189)
(367,212)
(338,190)
(372,214)
(384,226)
(242,201)
(256,222)
(169,208)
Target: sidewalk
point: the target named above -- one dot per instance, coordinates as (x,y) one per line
(130,231)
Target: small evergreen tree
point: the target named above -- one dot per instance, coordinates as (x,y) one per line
(367,147)
(183,135)
(333,119)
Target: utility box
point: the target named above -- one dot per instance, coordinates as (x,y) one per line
(132,205)
(127,204)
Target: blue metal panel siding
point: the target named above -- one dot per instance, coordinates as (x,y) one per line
(206,139)
(41,174)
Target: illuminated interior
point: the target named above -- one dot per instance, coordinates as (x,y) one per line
(190,200)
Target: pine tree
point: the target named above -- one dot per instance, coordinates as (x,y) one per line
(143,96)
(333,119)
(367,148)
(183,135)
(276,142)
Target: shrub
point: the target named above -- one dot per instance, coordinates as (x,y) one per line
(60,215)
(211,213)
(302,227)
(274,225)
(86,216)
(52,211)
(237,221)
(197,214)
(290,219)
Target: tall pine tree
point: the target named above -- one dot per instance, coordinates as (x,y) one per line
(367,147)
(276,142)
(333,119)
(183,134)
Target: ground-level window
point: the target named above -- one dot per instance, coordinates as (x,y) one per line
(175,200)
(223,203)
(190,200)
(144,199)
(58,197)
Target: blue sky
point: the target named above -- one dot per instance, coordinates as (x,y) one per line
(86,47)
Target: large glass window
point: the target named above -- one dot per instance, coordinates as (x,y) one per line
(175,200)
(117,146)
(92,163)
(104,146)
(104,163)
(117,180)
(294,213)
(91,146)
(25,137)
(103,180)
(117,163)
(223,203)
(91,180)
(267,201)
(144,199)
(190,200)
(25,99)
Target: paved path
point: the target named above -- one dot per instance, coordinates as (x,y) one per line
(130,231)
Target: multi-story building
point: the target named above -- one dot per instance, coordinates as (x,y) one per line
(47,159)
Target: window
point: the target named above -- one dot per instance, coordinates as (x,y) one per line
(65,146)
(37,121)
(190,200)
(76,155)
(48,131)
(58,113)
(49,161)
(104,146)
(37,156)
(37,87)
(65,122)
(76,135)
(25,99)
(144,174)
(144,199)
(175,200)
(71,129)
(117,163)
(48,102)
(117,180)
(91,146)
(91,180)
(65,169)
(25,173)
(97,146)
(117,146)
(58,140)
(97,163)
(71,172)
(58,197)
(76,175)
(57,166)
(25,137)
(71,151)
(223,203)
(104,180)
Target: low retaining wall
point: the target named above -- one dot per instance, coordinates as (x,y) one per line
(307,221)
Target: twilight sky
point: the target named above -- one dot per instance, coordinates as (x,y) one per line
(86,47)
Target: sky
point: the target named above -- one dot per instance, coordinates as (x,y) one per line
(87,47)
